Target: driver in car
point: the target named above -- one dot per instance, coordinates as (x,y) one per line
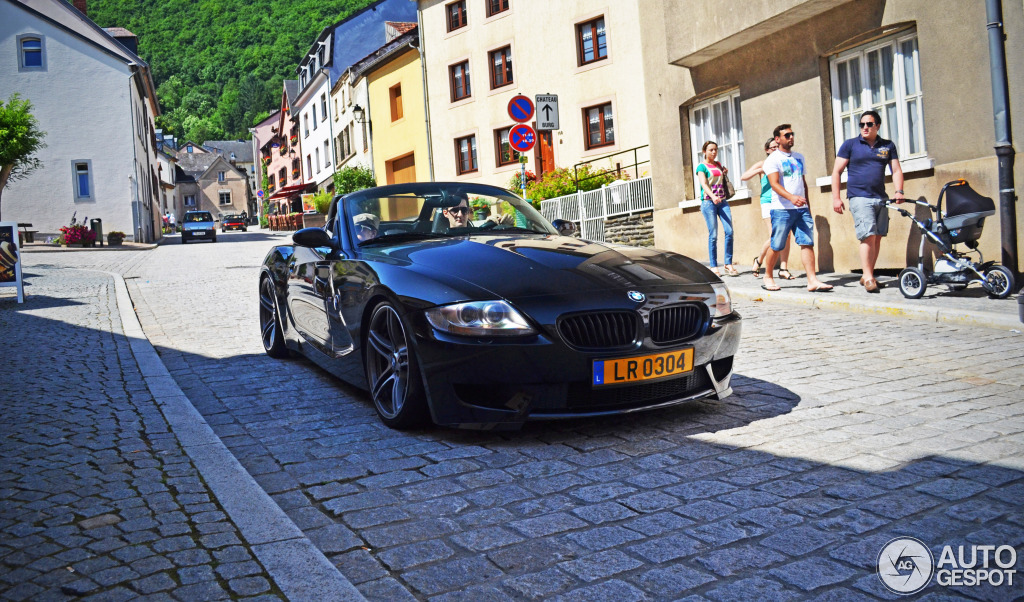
(458,216)
(366,225)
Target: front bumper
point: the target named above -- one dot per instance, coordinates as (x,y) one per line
(486,385)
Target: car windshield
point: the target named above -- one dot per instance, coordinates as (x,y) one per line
(198,217)
(432,210)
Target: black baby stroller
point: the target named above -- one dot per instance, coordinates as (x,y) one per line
(962,222)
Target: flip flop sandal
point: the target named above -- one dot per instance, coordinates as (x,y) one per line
(757,268)
(786,274)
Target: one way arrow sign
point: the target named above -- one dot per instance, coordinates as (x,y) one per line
(547,111)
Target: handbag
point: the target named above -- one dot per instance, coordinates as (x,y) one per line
(727,187)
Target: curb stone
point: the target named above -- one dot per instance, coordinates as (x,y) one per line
(894,310)
(298,568)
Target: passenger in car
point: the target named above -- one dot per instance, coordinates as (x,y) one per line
(366,225)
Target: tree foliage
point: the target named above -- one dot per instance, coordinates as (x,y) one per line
(219,64)
(562,181)
(351,179)
(20,139)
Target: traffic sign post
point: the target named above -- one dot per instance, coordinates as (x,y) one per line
(520,108)
(547,112)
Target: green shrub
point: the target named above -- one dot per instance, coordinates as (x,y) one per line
(351,179)
(562,181)
(322,201)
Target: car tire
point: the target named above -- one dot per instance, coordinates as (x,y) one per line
(392,370)
(184,239)
(270,321)
(913,282)
(214,237)
(998,282)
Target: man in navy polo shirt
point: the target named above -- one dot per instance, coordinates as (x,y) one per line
(866,156)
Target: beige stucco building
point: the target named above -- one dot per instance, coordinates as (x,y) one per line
(737,70)
(481,53)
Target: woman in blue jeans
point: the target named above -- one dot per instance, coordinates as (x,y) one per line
(714,207)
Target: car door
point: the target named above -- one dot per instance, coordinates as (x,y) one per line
(309,290)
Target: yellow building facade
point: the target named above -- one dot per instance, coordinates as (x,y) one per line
(397,118)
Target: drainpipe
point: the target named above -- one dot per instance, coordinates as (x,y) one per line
(1004,137)
(426,102)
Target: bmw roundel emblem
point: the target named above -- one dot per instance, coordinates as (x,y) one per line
(636,296)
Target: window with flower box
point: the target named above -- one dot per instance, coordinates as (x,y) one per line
(282,176)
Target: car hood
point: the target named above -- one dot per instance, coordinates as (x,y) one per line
(514,267)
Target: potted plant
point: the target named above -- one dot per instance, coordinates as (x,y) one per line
(115,238)
(480,208)
(77,235)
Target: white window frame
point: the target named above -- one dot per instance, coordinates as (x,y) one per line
(21,52)
(327,153)
(221,176)
(221,195)
(323,107)
(719,119)
(75,188)
(190,200)
(905,104)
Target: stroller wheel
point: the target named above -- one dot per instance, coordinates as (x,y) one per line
(998,282)
(913,283)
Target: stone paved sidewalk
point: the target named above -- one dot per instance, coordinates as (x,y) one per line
(99,499)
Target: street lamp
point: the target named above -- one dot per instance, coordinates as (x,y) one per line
(359,113)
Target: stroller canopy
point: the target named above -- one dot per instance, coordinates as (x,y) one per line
(962,200)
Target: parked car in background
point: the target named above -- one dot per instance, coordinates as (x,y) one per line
(460,304)
(198,224)
(233,222)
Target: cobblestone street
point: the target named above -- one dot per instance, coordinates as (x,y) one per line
(844,432)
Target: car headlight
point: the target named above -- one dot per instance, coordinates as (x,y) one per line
(723,300)
(479,318)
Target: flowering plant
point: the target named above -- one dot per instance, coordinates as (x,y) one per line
(76,233)
(116,236)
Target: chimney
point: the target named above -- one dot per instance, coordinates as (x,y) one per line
(80,5)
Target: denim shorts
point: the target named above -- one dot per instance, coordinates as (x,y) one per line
(870,216)
(797,221)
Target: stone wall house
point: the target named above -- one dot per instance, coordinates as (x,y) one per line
(96,100)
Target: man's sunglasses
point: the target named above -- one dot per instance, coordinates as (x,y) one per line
(458,210)
(868,124)
(788,136)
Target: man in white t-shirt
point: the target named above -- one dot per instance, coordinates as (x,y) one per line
(789,209)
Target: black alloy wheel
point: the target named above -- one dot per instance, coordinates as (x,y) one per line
(270,321)
(392,370)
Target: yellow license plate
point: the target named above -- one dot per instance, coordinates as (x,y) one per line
(644,367)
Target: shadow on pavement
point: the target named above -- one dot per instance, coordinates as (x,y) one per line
(643,504)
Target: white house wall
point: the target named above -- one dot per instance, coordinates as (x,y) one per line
(82,102)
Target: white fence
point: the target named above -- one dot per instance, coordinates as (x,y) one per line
(591,209)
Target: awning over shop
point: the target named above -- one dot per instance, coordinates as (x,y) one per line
(288,191)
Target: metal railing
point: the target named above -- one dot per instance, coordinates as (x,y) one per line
(591,209)
(615,166)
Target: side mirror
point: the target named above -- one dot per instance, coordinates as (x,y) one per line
(564,227)
(312,238)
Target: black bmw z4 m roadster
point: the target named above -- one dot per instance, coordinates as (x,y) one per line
(459,303)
